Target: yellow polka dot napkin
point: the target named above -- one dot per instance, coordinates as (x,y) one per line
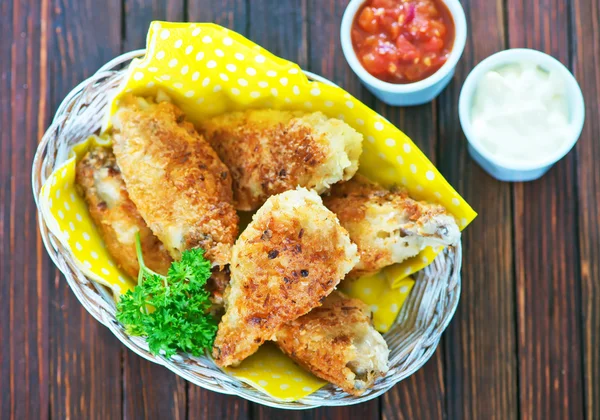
(208,70)
(376,290)
(270,371)
(67,216)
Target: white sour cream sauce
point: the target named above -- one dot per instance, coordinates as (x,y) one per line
(520,112)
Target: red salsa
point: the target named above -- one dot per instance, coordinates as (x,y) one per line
(403,41)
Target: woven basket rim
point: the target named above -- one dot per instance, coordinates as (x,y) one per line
(413,338)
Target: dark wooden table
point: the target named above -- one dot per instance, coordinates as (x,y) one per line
(525,341)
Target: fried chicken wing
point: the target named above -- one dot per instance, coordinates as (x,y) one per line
(337,342)
(388,226)
(291,256)
(178,183)
(270,151)
(100,182)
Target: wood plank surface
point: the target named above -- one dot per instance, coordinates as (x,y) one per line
(151,391)
(585,59)
(524,341)
(421,395)
(139,14)
(281,27)
(481,364)
(232,14)
(24,266)
(546,249)
(6,398)
(85,358)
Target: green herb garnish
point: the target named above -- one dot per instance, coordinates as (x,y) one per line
(171,311)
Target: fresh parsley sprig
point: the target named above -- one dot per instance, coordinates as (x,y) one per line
(171,311)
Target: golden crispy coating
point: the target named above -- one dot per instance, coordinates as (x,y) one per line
(291,256)
(176,180)
(388,226)
(100,182)
(270,151)
(338,343)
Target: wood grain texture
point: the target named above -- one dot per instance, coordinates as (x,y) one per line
(281,27)
(6,400)
(417,122)
(585,53)
(546,250)
(85,358)
(204,404)
(151,391)
(365,411)
(24,267)
(85,361)
(139,14)
(420,396)
(325,56)
(232,14)
(481,364)
(410,399)
(524,341)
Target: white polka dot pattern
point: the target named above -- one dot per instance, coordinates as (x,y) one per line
(209,70)
(272,372)
(68,217)
(384,292)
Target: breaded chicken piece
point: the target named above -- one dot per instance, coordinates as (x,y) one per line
(337,342)
(271,151)
(178,183)
(388,226)
(291,256)
(100,182)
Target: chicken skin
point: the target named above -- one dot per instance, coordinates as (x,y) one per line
(270,151)
(100,182)
(337,342)
(291,256)
(388,226)
(178,183)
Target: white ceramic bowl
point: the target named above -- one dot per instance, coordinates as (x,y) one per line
(411,93)
(507,169)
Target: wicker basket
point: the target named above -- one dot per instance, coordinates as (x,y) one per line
(412,339)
